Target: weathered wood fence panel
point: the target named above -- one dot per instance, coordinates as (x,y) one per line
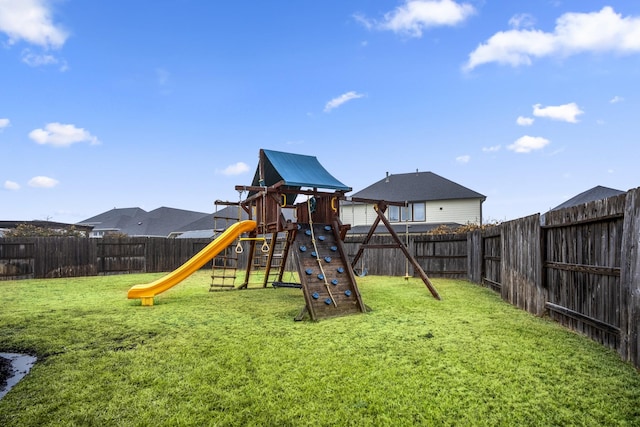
(378,261)
(147,254)
(521,266)
(48,257)
(484,256)
(121,255)
(630,280)
(492,258)
(442,255)
(582,256)
(17,259)
(475,255)
(438,255)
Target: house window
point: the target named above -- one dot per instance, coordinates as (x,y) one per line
(415,212)
(419,212)
(405,213)
(394,213)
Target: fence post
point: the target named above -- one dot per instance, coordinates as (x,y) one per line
(630,280)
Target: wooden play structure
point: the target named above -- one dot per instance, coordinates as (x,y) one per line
(295,204)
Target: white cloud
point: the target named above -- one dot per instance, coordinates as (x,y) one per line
(566,113)
(524,121)
(491,149)
(526,144)
(235,169)
(345,97)
(62,135)
(616,99)
(4,123)
(42,182)
(463,159)
(414,16)
(522,20)
(603,31)
(10,185)
(41,59)
(31,21)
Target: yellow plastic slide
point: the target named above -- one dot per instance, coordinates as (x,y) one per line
(148,291)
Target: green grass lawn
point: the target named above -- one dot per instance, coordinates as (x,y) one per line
(238,358)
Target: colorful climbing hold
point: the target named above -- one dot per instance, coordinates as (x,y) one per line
(307,232)
(340,270)
(334,282)
(327,227)
(303,248)
(327,259)
(314,254)
(320,276)
(308,271)
(315,295)
(333,248)
(347,293)
(328,301)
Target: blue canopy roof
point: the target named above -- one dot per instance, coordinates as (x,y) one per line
(296,170)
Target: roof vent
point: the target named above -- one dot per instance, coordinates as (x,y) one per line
(387,179)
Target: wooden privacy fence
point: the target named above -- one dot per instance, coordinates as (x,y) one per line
(439,255)
(48,257)
(579,265)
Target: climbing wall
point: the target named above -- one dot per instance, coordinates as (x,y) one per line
(327,280)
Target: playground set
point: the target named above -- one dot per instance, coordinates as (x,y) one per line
(272,226)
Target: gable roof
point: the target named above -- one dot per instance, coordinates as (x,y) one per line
(416,187)
(596,193)
(296,170)
(138,222)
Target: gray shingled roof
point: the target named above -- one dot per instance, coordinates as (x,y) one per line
(416,186)
(595,193)
(113,219)
(138,222)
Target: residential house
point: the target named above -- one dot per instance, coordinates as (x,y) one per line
(161,222)
(431,200)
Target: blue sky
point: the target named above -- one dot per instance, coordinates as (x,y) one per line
(168,102)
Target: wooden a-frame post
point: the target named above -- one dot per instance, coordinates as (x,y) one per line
(380,207)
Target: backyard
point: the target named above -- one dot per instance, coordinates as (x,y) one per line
(238,358)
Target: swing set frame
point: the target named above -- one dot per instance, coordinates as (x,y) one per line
(380,207)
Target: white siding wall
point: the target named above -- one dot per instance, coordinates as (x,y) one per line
(460,211)
(357,214)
